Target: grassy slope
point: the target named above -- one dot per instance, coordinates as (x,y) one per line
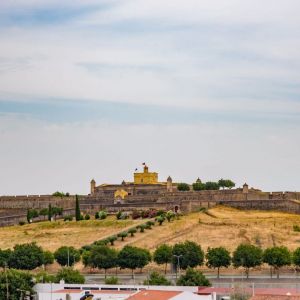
(220,227)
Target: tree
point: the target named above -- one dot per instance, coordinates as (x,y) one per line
(44,212)
(13,282)
(163,255)
(59,194)
(103,257)
(218,258)
(86,258)
(123,235)
(191,254)
(296,257)
(277,257)
(4,257)
(112,239)
(210,185)
(156,279)
(102,214)
(226,183)
(77,209)
(247,256)
(198,186)
(49,212)
(44,277)
(132,257)
(26,257)
(31,214)
(69,275)
(170,215)
(132,231)
(48,258)
(67,256)
(183,187)
(160,219)
(56,211)
(193,278)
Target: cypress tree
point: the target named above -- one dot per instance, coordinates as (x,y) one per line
(49,212)
(77,209)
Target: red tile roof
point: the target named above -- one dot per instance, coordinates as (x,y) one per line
(154,295)
(273,297)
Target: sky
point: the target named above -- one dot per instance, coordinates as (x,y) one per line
(92,89)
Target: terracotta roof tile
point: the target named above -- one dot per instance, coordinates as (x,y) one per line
(154,295)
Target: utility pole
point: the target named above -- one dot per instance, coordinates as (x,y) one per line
(68,257)
(178,264)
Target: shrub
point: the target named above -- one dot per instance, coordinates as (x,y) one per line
(149,224)
(135,214)
(21,223)
(160,212)
(118,215)
(157,279)
(193,278)
(141,227)
(68,218)
(87,217)
(69,275)
(102,214)
(112,280)
(152,213)
(296,228)
(97,215)
(170,215)
(123,235)
(160,220)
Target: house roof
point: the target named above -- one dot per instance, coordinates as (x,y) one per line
(154,295)
(273,297)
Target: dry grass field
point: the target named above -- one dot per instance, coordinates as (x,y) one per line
(53,235)
(228,227)
(220,226)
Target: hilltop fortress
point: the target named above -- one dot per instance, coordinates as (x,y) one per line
(144,192)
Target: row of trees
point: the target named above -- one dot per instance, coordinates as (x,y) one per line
(209,185)
(49,212)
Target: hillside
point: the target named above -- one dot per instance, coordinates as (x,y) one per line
(220,226)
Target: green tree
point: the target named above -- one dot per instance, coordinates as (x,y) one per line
(103,257)
(44,212)
(67,256)
(122,235)
(210,185)
(112,239)
(69,275)
(296,257)
(56,211)
(247,256)
(170,215)
(218,258)
(12,282)
(59,194)
(26,257)
(48,258)
(163,255)
(277,257)
(132,258)
(49,212)
(77,209)
(86,258)
(111,280)
(156,279)
(160,219)
(4,257)
(191,254)
(193,278)
(183,187)
(44,277)
(31,214)
(132,231)
(226,183)
(198,186)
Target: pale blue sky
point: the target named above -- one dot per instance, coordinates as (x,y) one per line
(195,88)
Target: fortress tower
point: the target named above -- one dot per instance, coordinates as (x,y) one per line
(146,177)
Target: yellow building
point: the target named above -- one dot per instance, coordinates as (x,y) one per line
(146,177)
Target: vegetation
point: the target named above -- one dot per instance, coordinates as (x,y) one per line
(122,235)
(277,257)
(198,186)
(31,214)
(156,279)
(193,277)
(183,187)
(67,256)
(190,255)
(211,185)
(26,257)
(163,255)
(69,275)
(218,258)
(247,256)
(112,280)
(60,194)
(12,282)
(77,209)
(132,231)
(226,183)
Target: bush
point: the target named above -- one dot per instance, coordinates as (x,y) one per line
(102,214)
(183,187)
(112,239)
(21,223)
(87,217)
(141,227)
(112,280)
(97,215)
(149,224)
(157,279)
(132,231)
(118,215)
(160,219)
(135,214)
(68,218)
(69,275)
(123,235)
(193,278)
(296,228)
